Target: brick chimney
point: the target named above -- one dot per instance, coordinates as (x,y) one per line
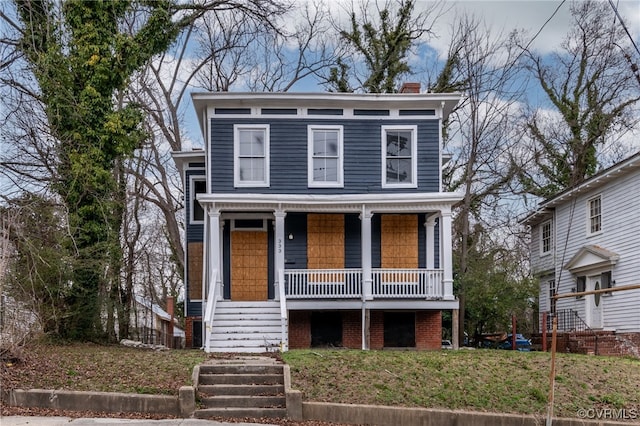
(410,88)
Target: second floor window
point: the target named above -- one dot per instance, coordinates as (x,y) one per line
(399,162)
(325,156)
(545,237)
(251,155)
(595,215)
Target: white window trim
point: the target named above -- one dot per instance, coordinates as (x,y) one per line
(542,225)
(588,213)
(310,182)
(414,156)
(192,197)
(237,183)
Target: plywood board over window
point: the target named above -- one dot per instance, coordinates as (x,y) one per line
(399,241)
(195,271)
(249,265)
(325,241)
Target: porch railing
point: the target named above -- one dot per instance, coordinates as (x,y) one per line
(408,283)
(347,283)
(323,283)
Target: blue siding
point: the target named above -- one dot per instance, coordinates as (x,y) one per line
(352,241)
(194,309)
(422,241)
(288,155)
(376,242)
(295,251)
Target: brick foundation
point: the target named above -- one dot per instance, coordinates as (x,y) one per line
(605,343)
(428,330)
(299,329)
(352,329)
(376,330)
(188,331)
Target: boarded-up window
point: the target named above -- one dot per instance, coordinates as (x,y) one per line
(195,271)
(399,241)
(325,241)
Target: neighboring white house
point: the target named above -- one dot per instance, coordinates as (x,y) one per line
(587,238)
(152,324)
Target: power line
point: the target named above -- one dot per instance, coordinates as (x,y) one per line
(545,24)
(615,9)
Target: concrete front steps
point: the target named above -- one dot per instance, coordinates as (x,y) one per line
(246,327)
(242,387)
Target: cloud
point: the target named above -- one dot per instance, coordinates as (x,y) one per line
(551,18)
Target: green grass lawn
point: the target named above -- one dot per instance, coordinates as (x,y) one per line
(481,380)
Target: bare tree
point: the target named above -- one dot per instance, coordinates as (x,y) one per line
(481,137)
(222,41)
(592,88)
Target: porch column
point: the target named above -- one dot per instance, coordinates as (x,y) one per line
(215,244)
(430,226)
(220,266)
(367,281)
(279,248)
(446,258)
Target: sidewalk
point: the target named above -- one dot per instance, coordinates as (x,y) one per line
(60,421)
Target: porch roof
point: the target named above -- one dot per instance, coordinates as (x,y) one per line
(378,203)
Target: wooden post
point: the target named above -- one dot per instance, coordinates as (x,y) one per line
(544,332)
(600,291)
(455,336)
(552,374)
(513,332)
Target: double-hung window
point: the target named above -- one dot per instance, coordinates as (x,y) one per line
(545,237)
(594,208)
(325,156)
(251,155)
(399,156)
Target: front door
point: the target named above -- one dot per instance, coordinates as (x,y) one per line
(593,303)
(249,265)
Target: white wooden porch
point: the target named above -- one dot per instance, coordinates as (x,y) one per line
(348,284)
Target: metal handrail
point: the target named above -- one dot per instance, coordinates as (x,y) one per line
(568,320)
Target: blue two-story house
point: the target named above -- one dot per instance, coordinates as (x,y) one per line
(317,219)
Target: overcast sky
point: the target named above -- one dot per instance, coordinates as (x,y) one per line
(530,15)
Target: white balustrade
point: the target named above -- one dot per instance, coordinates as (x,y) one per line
(408,283)
(347,283)
(323,283)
